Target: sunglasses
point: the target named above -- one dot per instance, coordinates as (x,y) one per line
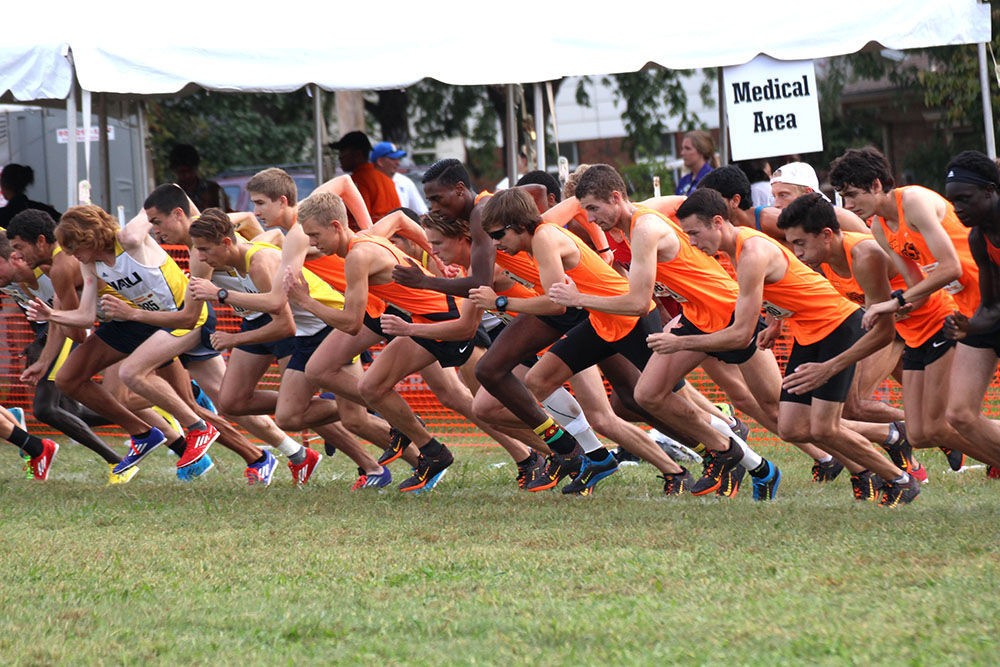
(498,234)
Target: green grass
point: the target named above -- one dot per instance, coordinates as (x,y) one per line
(479,573)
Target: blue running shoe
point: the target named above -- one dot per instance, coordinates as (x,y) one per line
(376,481)
(591,472)
(18,414)
(431,483)
(259,473)
(765,488)
(189,473)
(138,449)
(201,398)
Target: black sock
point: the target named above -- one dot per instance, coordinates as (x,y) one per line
(178,446)
(432,448)
(762,470)
(143,435)
(329,449)
(31,445)
(563,443)
(526,460)
(598,454)
(263,457)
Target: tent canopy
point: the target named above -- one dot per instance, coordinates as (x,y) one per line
(112,48)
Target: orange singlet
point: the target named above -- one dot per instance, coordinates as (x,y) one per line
(330,268)
(806,299)
(917,327)
(699,283)
(421,304)
(909,243)
(592,275)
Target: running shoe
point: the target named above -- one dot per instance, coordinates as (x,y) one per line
(675,484)
(427,468)
(717,464)
(301,472)
(557,466)
(731,481)
(901,453)
(26,466)
(261,473)
(431,483)
(591,472)
(826,471)
(674,449)
(920,472)
(41,464)
(899,493)
(197,442)
(726,409)
(201,398)
(866,486)
(398,442)
(123,478)
(139,448)
(196,469)
(373,481)
(765,488)
(18,414)
(532,468)
(741,429)
(956,459)
(992,472)
(625,457)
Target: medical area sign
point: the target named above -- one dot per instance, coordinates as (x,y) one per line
(772,108)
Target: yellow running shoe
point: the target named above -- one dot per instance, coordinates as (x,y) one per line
(121,478)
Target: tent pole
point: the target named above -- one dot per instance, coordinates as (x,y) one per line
(144,182)
(317,95)
(512,148)
(104,149)
(984,85)
(723,124)
(71,159)
(539,127)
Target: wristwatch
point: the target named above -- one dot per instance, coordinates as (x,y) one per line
(501,304)
(222,295)
(898,296)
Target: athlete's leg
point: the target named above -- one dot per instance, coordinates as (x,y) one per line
(137,372)
(240,393)
(47,408)
(972,372)
(75,380)
(869,374)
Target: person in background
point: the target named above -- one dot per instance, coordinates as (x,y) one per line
(698,154)
(758,172)
(386,157)
(14,180)
(184,161)
(377,189)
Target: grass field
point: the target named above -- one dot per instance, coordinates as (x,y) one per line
(477,572)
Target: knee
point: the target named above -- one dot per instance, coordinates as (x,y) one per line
(372,391)
(794,432)
(488,373)
(961,418)
(290,421)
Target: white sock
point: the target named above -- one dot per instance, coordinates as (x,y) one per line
(561,405)
(289,447)
(580,429)
(751,459)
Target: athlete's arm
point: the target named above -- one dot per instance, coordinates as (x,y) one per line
(344,187)
(246,225)
(547,246)
(81,317)
(987,315)
(460,328)
(66,280)
(871,270)
(184,318)
(398,223)
(356,273)
(293,254)
(922,217)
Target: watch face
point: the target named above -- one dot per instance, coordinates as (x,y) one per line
(223,293)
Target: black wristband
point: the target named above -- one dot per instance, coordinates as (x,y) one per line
(898,296)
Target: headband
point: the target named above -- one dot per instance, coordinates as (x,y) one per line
(960,175)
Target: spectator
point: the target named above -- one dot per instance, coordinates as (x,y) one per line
(184,161)
(14,180)
(377,189)
(386,158)
(759,174)
(698,154)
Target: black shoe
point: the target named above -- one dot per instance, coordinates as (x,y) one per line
(899,493)
(866,486)
(741,429)
(677,483)
(428,467)
(717,464)
(731,481)
(557,466)
(901,453)
(956,459)
(531,469)
(591,472)
(398,442)
(826,471)
(625,456)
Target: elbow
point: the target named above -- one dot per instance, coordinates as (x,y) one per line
(352,329)
(637,309)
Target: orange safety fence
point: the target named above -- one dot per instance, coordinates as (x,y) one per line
(17,333)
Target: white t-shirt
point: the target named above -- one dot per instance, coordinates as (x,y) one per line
(409,195)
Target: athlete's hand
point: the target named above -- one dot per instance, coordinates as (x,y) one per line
(33,373)
(410,276)
(38,311)
(484,297)
(203,290)
(296,287)
(116,309)
(878,310)
(451,270)
(223,340)
(770,335)
(395,326)
(565,294)
(664,343)
(956,326)
(807,377)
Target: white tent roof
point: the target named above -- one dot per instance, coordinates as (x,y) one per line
(117,48)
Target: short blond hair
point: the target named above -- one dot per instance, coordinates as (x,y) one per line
(324,208)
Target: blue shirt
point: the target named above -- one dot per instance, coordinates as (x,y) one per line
(689,181)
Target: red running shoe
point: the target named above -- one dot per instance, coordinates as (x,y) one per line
(303,471)
(41,464)
(197,443)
